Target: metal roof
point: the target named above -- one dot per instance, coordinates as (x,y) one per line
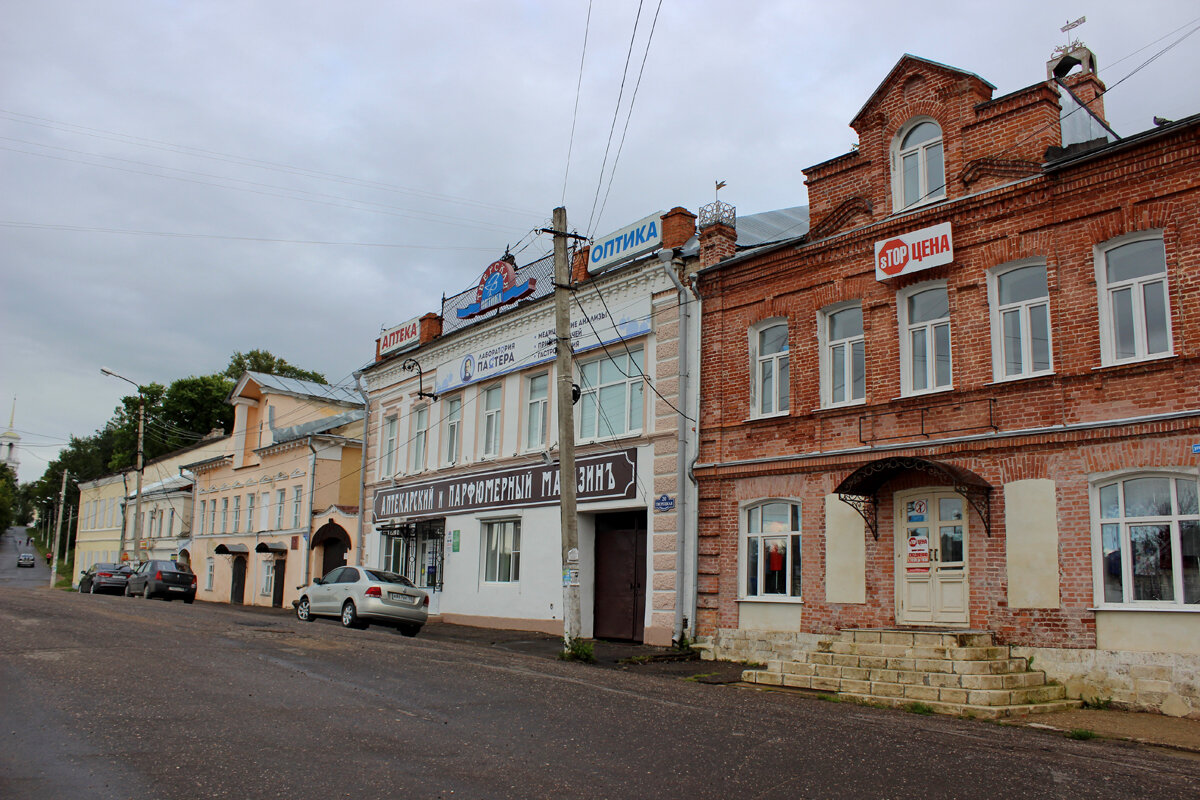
(772,226)
(316,426)
(295,386)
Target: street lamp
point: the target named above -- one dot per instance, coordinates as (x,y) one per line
(137,508)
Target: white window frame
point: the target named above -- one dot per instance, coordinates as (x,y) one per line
(224,514)
(237,513)
(212,515)
(827,347)
(203,523)
(634,384)
(171,522)
(1096,483)
(921,151)
(297,495)
(907,364)
(250,511)
(265,524)
(757,361)
(751,551)
(491,419)
(211,572)
(280,502)
(1137,286)
(536,438)
(268,576)
(497,527)
(420,438)
(387,446)
(453,449)
(1025,310)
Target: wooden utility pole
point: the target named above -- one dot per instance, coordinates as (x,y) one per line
(565,371)
(62,497)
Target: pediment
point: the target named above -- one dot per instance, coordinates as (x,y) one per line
(910,71)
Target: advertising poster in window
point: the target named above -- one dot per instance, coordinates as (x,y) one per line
(918,550)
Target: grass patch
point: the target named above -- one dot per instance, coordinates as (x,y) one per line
(1082,734)
(753,664)
(578,649)
(919,708)
(701,676)
(1098,703)
(830,698)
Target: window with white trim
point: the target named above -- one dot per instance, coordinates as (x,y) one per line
(453,429)
(203,509)
(224,513)
(537,410)
(419,439)
(387,448)
(918,164)
(1135,312)
(771,560)
(250,512)
(843,355)
(297,494)
(237,513)
(280,500)
(502,551)
(171,522)
(1148,540)
(492,399)
(210,573)
(611,388)
(212,515)
(268,576)
(925,339)
(1020,321)
(770,385)
(265,524)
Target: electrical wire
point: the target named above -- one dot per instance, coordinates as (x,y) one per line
(578,90)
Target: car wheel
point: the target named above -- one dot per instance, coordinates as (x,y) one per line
(304,611)
(410,629)
(146,591)
(92,587)
(350,617)
(127,592)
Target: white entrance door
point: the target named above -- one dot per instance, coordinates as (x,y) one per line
(932,585)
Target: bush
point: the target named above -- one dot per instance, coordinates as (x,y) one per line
(578,649)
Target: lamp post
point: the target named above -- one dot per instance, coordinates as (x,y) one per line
(137,506)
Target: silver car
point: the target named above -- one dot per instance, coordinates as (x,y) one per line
(359,595)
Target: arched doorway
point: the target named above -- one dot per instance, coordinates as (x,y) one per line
(237,590)
(334,543)
(184,559)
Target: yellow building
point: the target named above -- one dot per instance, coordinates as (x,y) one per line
(101,516)
(279,505)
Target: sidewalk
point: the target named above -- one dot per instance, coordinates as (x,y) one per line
(1143,728)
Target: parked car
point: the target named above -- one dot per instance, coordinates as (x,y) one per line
(165,579)
(104,577)
(26,560)
(359,595)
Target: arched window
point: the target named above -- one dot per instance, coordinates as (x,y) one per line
(770,385)
(918,165)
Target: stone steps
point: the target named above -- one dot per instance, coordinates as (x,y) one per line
(951,672)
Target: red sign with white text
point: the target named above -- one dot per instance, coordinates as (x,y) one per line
(913,252)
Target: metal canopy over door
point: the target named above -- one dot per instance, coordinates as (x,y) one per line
(619,610)
(932,582)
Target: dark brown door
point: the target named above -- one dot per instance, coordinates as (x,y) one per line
(238,586)
(334,556)
(620,597)
(277,589)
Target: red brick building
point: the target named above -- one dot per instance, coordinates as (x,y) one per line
(967,398)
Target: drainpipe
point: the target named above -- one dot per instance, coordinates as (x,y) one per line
(684,587)
(362,473)
(694,567)
(312,481)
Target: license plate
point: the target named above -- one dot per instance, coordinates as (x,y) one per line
(177,589)
(397,596)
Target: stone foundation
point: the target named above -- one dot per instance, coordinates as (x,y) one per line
(1168,683)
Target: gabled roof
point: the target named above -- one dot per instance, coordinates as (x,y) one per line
(772,226)
(297,388)
(317,426)
(909,57)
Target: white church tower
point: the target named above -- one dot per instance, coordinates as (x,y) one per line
(10,443)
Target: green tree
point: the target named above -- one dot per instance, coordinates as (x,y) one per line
(264,361)
(9,498)
(176,416)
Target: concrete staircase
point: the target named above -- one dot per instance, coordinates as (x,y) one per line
(951,672)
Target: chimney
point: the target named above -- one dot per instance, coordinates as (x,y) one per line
(1085,84)
(718,233)
(431,328)
(678,226)
(579,265)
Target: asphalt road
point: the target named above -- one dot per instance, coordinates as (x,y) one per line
(114,697)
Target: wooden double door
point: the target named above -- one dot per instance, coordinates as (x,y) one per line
(932,576)
(619,608)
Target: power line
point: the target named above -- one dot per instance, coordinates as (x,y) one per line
(616,113)
(575,116)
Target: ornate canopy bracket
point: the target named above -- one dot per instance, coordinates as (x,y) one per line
(411,364)
(861,488)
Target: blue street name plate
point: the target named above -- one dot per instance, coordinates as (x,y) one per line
(1196,449)
(664,503)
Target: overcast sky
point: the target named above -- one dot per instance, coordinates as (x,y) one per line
(186,179)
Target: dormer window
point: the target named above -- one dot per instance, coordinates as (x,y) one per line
(918,165)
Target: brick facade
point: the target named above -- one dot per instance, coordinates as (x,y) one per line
(1083,417)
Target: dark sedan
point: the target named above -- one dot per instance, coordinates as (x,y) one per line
(104,577)
(165,579)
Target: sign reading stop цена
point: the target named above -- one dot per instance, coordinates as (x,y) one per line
(913,252)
